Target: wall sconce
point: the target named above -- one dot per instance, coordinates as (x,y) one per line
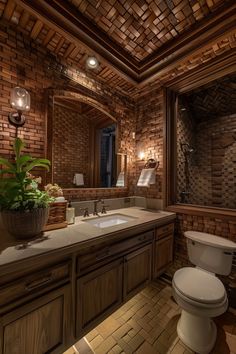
(20,100)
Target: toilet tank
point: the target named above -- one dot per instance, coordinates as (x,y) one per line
(210,252)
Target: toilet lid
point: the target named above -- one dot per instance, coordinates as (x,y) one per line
(199,285)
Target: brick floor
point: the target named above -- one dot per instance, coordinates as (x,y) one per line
(147,325)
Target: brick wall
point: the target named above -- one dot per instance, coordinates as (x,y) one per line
(149,139)
(71,148)
(94,193)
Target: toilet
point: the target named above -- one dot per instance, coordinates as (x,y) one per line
(199,293)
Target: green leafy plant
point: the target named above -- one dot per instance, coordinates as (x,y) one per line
(18,188)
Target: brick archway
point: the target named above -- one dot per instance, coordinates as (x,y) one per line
(85,99)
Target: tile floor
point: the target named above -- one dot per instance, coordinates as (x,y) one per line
(146,324)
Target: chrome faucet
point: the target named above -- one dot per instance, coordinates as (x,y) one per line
(95,206)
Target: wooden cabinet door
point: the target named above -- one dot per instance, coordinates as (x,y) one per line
(42,326)
(163,254)
(98,294)
(137,270)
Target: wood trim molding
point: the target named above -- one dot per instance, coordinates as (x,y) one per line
(226,214)
(207,72)
(221,66)
(69,22)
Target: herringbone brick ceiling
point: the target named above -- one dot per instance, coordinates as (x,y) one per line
(212,100)
(141,27)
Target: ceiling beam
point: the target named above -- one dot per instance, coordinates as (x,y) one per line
(9,9)
(24,18)
(36,29)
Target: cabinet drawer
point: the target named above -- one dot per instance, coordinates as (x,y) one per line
(103,254)
(33,282)
(40,326)
(164,231)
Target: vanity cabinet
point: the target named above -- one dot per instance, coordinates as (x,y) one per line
(40,326)
(48,303)
(127,270)
(137,270)
(163,249)
(36,309)
(98,294)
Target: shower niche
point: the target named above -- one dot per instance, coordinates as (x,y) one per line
(205,144)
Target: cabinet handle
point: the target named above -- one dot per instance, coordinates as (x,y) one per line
(103,255)
(38,283)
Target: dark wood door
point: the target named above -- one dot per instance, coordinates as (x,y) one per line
(42,326)
(137,270)
(163,254)
(98,294)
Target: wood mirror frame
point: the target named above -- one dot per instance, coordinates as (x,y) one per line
(204,74)
(54,94)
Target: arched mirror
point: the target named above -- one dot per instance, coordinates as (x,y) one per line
(84,142)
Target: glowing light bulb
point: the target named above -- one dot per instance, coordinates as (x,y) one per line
(92,62)
(141,155)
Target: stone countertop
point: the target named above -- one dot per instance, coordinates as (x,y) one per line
(80,234)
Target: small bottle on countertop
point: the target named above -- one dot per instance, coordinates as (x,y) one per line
(70,214)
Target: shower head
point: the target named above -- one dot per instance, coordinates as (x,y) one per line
(186,148)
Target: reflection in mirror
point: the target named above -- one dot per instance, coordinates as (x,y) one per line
(84,146)
(107,156)
(206,145)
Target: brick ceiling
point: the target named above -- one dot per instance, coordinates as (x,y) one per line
(141,27)
(139,43)
(217,99)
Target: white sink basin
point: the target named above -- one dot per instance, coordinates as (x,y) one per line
(109,220)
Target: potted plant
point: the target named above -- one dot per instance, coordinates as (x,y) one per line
(23,207)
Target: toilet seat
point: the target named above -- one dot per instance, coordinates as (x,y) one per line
(199,286)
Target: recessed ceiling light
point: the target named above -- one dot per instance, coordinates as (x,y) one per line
(92,62)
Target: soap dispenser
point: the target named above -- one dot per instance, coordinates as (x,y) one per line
(70,214)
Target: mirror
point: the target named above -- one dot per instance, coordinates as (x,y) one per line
(206,145)
(83,143)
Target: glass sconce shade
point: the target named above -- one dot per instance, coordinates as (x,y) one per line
(20,99)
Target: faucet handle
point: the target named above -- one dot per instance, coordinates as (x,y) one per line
(104,208)
(85,210)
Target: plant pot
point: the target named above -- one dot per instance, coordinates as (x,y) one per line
(25,224)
